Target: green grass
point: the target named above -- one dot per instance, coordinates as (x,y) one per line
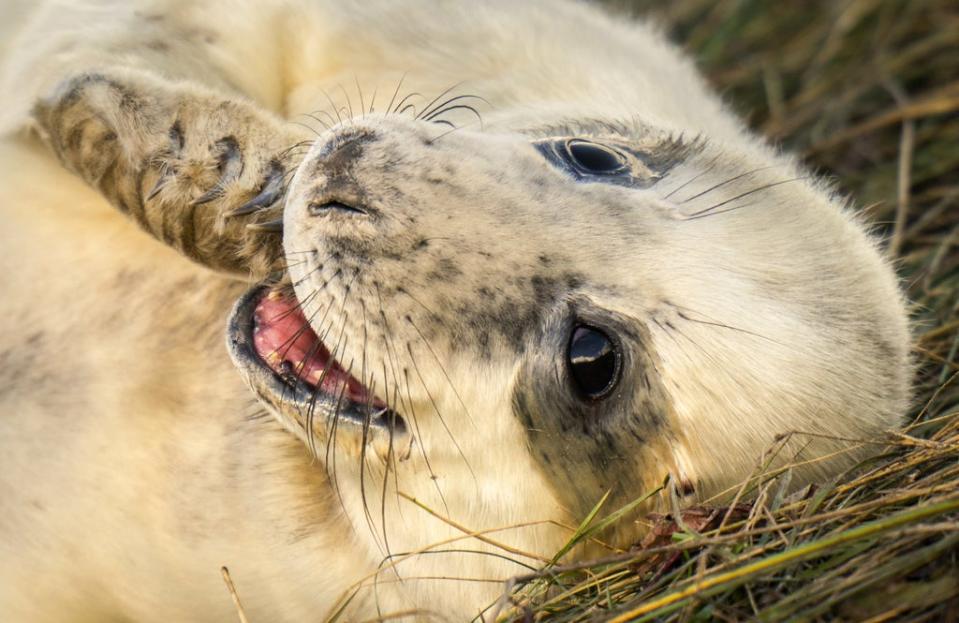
(867,91)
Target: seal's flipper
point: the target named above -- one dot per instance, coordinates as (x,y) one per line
(203,174)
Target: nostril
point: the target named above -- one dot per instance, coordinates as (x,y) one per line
(329,207)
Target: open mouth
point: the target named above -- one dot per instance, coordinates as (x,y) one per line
(292,370)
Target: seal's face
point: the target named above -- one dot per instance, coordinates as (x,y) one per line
(517,323)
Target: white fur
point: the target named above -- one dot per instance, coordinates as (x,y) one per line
(130,473)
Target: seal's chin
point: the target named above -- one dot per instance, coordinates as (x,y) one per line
(291,369)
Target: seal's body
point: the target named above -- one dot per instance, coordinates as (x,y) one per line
(527,259)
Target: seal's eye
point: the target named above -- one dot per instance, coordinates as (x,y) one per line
(593,361)
(594,159)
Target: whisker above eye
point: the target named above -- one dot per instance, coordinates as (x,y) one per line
(710,165)
(709,211)
(728,181)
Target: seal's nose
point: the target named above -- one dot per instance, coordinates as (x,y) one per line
(336,164)
(340,154)
(329,207)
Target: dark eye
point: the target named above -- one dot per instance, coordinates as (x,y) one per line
(593,158)
(593,361)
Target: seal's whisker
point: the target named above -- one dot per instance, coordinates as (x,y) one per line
(478,552)
(367,421)
(450,105)
(426,459)
(319,266)
(456,98)
(260,414)
(303,125)
(400,108)
(311,412)
(436,409)
(718,212)
(288,343)
(349,102)
(315,118)
(297,145)
(330,458)
(289,171)
(309,274)
(396,92)
(364,464)
(436,139)
(286,265)
(390,453)
(335,108)
(714,322)
(451,108)
(674,329)
(390,563)
(314,348)
(323,111)
(331,462)
(728,181)
(709,211)
(298,305)
(359,92)
(429,347)
(297,154)
(710,165)
(288,176)
(428,109)
(392,404)
(392,358)
(373,99)
(389,464)
(308,419)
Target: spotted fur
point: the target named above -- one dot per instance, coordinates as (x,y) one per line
(150,141)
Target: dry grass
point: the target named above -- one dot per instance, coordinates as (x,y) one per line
(868,92)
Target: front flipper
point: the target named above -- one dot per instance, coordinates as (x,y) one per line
(203,174)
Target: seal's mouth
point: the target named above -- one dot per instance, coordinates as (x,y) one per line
(292,370)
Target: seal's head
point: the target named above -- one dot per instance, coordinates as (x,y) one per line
(505,325)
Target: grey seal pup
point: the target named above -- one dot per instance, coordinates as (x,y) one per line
(520,259)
